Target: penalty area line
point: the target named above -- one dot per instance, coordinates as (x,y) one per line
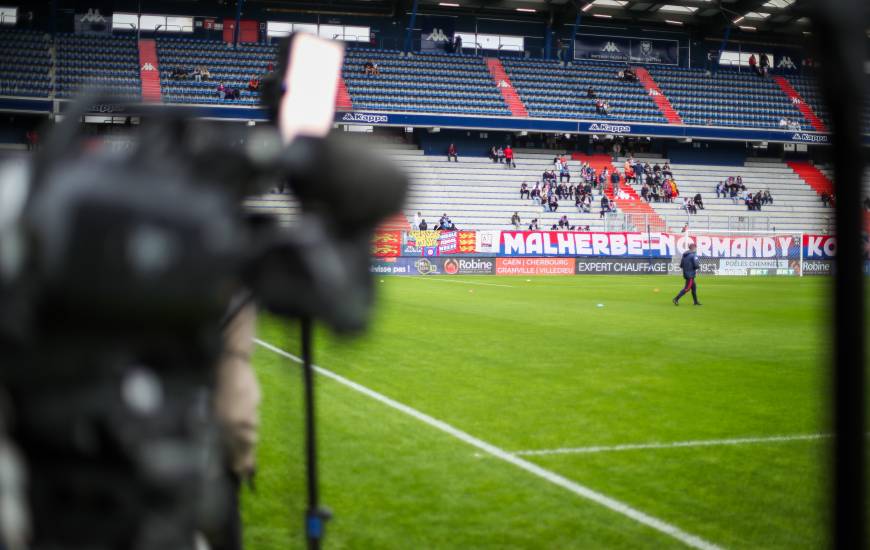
(674,444)
(612,504)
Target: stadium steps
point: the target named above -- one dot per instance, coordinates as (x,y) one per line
(508,92)
(800,104)
(795,209)
(149,70)
(342,98)
(813,177)
(641,215)
(479,194)
(658,96)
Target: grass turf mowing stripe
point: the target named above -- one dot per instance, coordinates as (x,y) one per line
(580,490)
(673,444)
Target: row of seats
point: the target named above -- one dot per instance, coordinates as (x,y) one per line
(434,82)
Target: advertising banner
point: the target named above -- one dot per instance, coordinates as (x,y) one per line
(437,35)
(437,243)
(623,266)
(433,266)
(387,243)
(534,266)
(93,21)
(624,49)
(655,245)
(819,247)
(818,267)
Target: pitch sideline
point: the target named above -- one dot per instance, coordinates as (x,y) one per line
(674,444)
(617,506)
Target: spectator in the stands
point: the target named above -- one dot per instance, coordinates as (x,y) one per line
(515,221)
(614,182)
(221,90)
(417,218)
(536,194)
(553,204)
(764,64)
(605,206)
(601,107)
(766,197)
(644,192)
(534,225)
(690,207)
(423,226)
(753,63)
(783,123)
(590,92)
(564,223)
(509,157)
(457,44)
(371,68)
(666,171)
(720,189)
(564,173)
(493,154)
(32,137)
(699,202)
(500,154)
(253,84)
(629,75)
(524,190)
(451,152)
(757,200)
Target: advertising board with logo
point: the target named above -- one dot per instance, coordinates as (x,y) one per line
(534,266)
(433,266)
(624,49)
(818,267)
(634,244)
(819,247)
(438,243)
(628,266)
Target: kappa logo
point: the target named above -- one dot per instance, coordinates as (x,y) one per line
(148,67)
(796,100)
(785,62)
(810,138)
(437,35)
(362,117)
(610,47)
(611,128)
(653,92)
(93,16)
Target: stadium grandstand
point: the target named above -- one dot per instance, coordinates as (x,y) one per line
(520,405)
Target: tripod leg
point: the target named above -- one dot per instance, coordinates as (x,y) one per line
(315,517)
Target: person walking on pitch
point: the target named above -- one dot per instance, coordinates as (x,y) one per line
(690,264)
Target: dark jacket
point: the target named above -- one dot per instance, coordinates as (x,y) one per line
(690,264)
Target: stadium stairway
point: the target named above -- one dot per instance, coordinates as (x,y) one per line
(508,92)
(640,214)
(796,207)
(479,194)
(800,104)
(149,70)
(812,176)
(342,98)
(658,96)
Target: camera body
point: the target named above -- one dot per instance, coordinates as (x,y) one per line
(125,268)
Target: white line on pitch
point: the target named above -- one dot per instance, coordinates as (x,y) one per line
(428,278)
(580,490)
(673,444)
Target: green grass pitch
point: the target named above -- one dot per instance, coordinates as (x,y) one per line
(534,364)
